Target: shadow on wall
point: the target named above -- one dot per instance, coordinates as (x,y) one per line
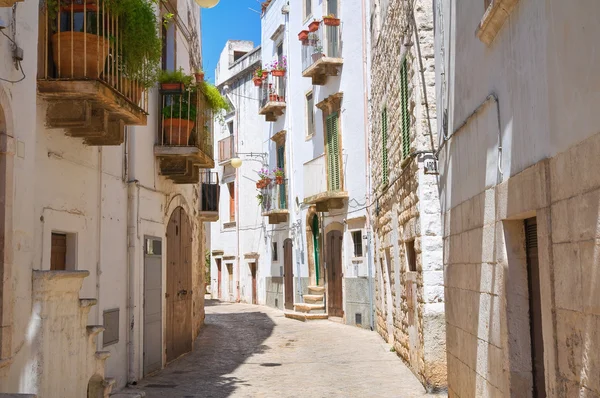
(225,342)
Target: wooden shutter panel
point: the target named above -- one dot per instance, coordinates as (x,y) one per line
(384,145)
(231,187)
(405,122)
(281,188)
(333,153)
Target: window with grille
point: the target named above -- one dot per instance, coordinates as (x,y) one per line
(405,122)
(310,115)
(358,246)
(281,165)
(334,178)
(384,146)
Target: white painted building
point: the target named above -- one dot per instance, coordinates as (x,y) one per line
(100,223)
(517,100)
(238,237)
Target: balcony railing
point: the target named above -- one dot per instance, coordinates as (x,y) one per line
(186,121)
(272,97)
(226,149)
(322,53)
(82,43)
(209,195)
(274,202)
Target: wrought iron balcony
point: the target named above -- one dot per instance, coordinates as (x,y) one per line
(274,202)
(226,149)
(209,195)
(272,97)
(185,136)
(322,53)
(320,188)
(82,75)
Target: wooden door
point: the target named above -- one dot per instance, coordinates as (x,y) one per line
(219,278)
(179,285)
(58,252)
(254,293)
(288,274)
(334,274)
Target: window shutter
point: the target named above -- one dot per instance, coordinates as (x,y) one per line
(405,122)
(333,153)
(384,145)
(281,187)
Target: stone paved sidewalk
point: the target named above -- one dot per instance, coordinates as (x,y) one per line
(253,351)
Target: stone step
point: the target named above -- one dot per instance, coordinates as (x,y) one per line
(302,316)
(102,355)
(316,290)
(313,298)
(313,308)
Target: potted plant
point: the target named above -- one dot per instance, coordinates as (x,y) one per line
(178,122)
(331,20)
(272,94)
(199,75)
(260,199)
(314,25)
(317,54)
(303,35)
(265,179)
(279,175)
(174,82)
(278,68)
(259,75)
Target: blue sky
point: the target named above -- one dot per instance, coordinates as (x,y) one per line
(229,20)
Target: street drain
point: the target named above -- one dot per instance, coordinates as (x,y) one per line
(161,385)
(270,364)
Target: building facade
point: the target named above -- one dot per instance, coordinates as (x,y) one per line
(102,230)
(406,220)
(238,239)
(519,143)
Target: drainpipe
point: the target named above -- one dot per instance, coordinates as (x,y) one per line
(238,216)
(99,243)
(367,160)
(132,190)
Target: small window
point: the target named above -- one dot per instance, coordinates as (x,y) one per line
(231,187)
(307,9)
(230,127)
(274,252)
(358,246)
(238,54)
(280,52)
(310,115)
(411,257)
(110,335)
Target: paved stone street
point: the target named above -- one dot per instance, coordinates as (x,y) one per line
(254,351)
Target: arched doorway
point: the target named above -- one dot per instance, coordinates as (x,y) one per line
(335,306)
(179,285)
(314,226)
(288,274)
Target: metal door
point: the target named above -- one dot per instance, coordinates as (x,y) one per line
(335,305)
(179,285)
(288,274)
(152,305)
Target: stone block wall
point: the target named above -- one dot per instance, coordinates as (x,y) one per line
(409,304)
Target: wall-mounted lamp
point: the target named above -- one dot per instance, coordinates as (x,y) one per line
(236,162)
(207,3)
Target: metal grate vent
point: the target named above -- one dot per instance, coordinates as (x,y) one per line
(358,318)
(111,327)
(531,233)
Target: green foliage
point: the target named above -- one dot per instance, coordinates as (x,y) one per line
(175,76)
(180,110)
(215,100)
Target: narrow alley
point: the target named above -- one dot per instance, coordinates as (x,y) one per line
(254,351)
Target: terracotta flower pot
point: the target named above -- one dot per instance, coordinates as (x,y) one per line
(273,97)
(331,21)
(259,184)
(281,98)
(303,35)
(257,81)
(278,73)
(279,180)
(88,63)
(172,88)
(177,131)
(199,77)
(314,26)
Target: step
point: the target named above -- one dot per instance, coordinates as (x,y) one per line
(128,393)
(302,316)
(313,298)
(305,307)
(94,330)
(316,290)
(102,355)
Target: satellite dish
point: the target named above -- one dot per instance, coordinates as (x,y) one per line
(207,3)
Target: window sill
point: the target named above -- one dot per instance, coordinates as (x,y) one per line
(493,19)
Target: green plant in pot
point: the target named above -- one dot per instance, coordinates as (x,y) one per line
(174,82)
(318,53)
(179,120)
(215,101)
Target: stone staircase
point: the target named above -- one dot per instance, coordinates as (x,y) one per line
(313,307)
(65,344)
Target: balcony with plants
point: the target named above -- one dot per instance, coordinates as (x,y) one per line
(184,142)
(272,196)
(97,60)
(271,83)
(321,49)
(209,196)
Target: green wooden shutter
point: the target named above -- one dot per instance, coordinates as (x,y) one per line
(333,153)
(405,122)
(384,145)
(282,187)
